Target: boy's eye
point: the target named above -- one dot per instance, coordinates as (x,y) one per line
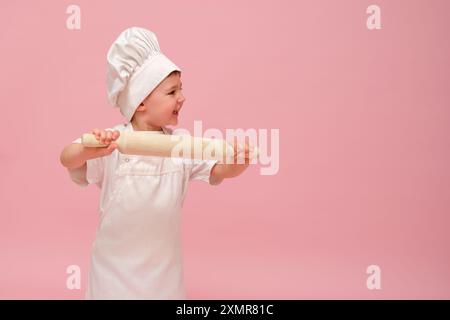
(172,92)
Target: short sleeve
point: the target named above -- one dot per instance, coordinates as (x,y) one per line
(94,171)
(201,169)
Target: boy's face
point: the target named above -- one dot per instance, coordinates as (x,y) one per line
(162,106)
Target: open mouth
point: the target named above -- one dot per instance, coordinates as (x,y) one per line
(175,112)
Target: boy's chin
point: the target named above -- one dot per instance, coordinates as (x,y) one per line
(172,122)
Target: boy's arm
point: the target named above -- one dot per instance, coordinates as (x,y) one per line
(79,175)
(83,164)
(75,156)
(222,171)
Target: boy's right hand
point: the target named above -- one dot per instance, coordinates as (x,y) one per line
(105,137)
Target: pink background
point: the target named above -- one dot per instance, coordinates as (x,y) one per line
(364,143)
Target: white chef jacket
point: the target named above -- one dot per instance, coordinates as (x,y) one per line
(136,253)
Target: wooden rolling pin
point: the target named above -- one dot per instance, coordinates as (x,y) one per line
(162,145)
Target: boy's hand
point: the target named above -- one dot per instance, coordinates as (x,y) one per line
(104,137)
(242,153)
(240,163)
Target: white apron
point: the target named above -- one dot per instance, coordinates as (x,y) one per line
(137,251)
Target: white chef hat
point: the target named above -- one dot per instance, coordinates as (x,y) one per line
(136,66)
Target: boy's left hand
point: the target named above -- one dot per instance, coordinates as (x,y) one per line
(241,153)
(241,161)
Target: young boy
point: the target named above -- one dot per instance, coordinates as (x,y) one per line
(136,253)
